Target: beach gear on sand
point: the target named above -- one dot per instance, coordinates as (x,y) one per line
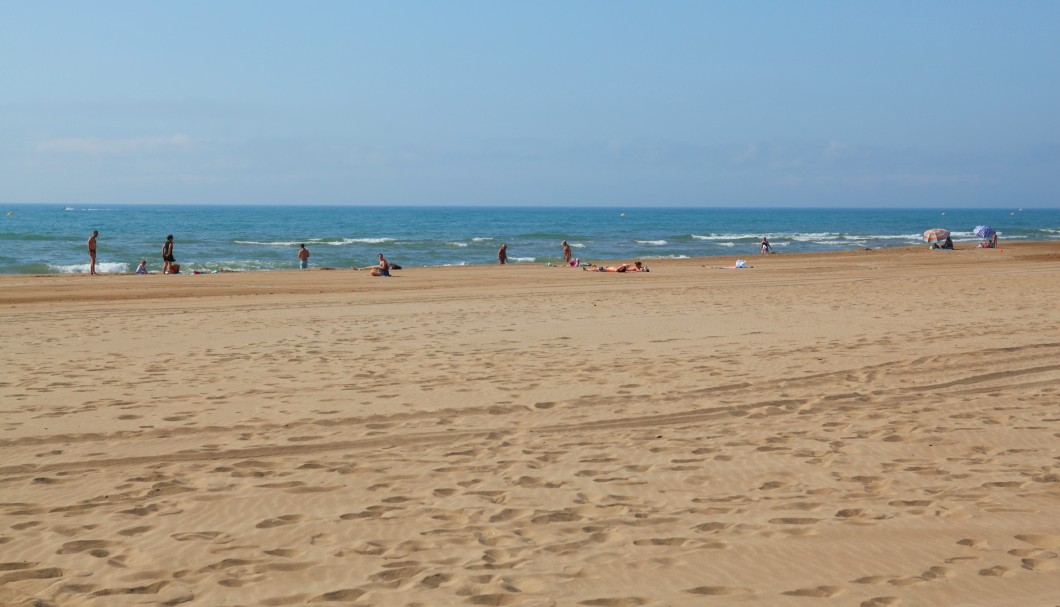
(936,235)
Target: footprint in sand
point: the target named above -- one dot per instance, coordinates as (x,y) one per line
(718,590)
(794,521)
(1041,541)
(871,579)
(630,601)
(147,589)
(881,601)
(712,527)
(82,546)
(30,574)
(198,535)
(1046,564)
(662,541)
(435,580)
(816,592)
(283,552)
(938,573)
(396,576)
(287,519)
(996,571)
(493,599)
(346,595)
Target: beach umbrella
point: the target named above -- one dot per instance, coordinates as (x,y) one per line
(984,231)
(936,235)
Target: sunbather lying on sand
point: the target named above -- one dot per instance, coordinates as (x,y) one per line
(636,266)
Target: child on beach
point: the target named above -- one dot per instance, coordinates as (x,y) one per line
(142,268)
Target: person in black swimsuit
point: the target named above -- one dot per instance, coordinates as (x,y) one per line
(92,252)
(167,254)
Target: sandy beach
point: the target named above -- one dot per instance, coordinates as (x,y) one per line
(867,428)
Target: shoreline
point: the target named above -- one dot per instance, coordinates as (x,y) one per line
(16,288)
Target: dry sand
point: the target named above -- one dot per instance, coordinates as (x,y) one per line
(867,428)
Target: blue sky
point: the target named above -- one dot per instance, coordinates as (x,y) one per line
(531,103)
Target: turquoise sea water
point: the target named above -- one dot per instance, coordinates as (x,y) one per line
(41,239)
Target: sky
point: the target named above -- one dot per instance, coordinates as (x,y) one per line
(564,103)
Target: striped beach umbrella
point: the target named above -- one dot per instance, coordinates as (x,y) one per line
(984,231)
(936,235)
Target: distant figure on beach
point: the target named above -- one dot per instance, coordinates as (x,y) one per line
(566,253)
(502,254)
(167,255)
(142,268)
(990,244)
(946,244)
(636,266)
(303,257)
(92,252)
(765,245)
(383,269)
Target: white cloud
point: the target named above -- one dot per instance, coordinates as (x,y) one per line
(114,147)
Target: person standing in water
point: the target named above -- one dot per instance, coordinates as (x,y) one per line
(167,255)
(502,254)
(566,253)
(92,252)
(303,257)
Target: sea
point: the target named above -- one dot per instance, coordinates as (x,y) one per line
(51,239)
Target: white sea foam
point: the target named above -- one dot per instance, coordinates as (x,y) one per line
(109,267)
(314,241)
(281,243)
(523,259)
(815,236)
(896,236)
(480,239)
(726,237)
(840,243)
(457,244)
(666,257)
(577,245)
(367,240)
(656,243)
(726,244)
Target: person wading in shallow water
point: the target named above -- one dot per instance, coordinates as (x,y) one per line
(502,254)
(92,252)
